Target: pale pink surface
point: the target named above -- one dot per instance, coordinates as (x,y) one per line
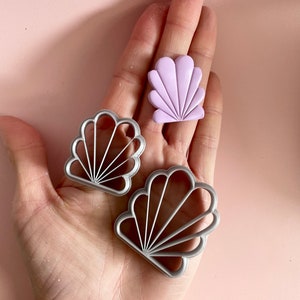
(56,60)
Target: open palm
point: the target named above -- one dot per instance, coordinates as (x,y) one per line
(66,232)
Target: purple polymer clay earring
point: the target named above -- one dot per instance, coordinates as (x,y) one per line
(176,93)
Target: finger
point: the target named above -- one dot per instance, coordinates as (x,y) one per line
(28,154)
(204,43)
(181,24)
(131,72)
(205,142)
(202,49)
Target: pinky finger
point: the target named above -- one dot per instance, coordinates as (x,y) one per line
(204,146)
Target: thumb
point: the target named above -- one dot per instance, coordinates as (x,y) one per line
(28,155)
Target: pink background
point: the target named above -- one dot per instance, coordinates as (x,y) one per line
(56,59)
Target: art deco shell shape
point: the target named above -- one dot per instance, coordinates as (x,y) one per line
(107,152)
(176,93)
(168,220)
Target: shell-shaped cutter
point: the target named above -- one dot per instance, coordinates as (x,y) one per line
(106,154)
(168,221)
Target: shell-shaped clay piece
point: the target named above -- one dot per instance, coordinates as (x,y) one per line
(168,220)
(176,93)
(106,154)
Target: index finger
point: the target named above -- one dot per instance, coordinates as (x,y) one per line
(130,75)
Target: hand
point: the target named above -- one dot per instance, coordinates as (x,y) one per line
(66,232)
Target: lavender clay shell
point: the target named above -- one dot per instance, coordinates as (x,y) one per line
(176,93)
